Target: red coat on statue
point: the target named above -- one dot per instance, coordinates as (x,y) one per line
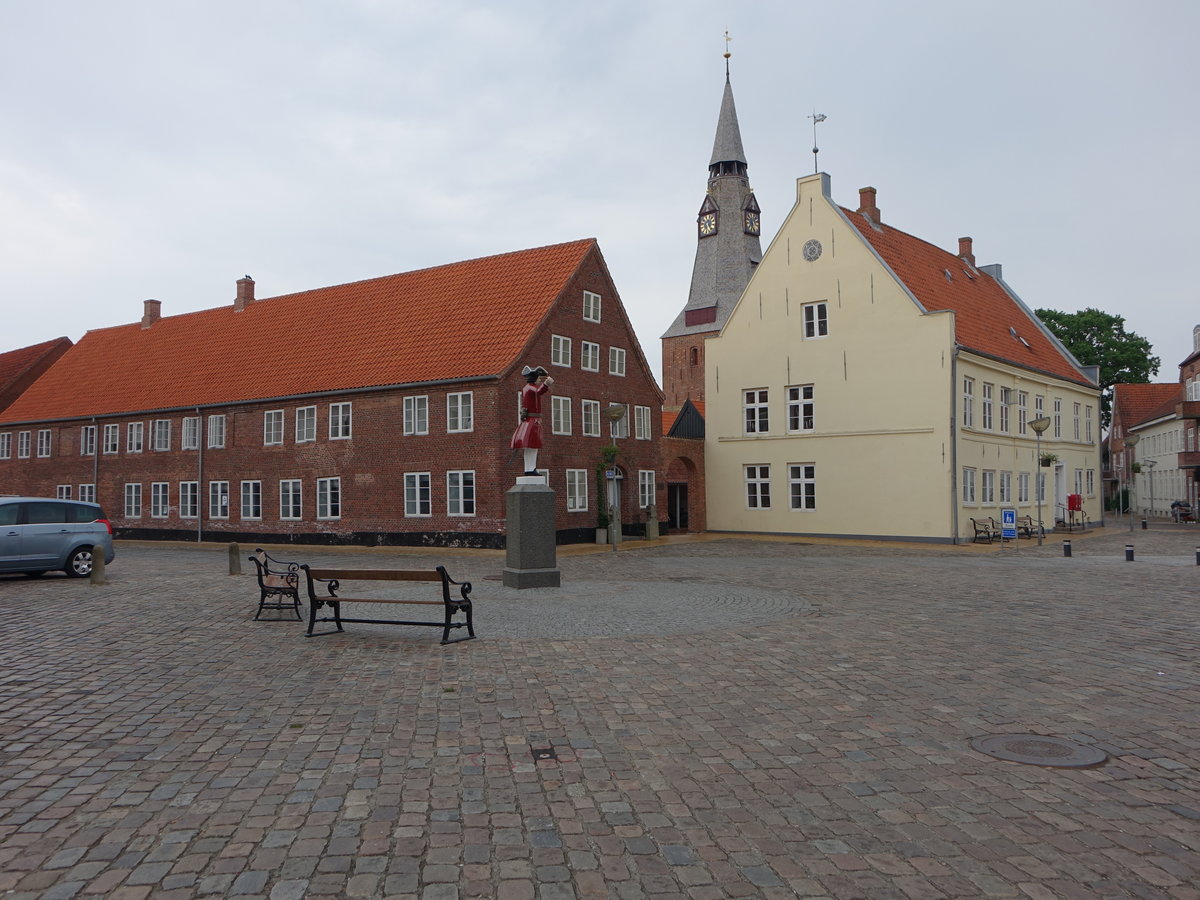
(529,433)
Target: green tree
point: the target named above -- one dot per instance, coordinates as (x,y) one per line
(1099,339)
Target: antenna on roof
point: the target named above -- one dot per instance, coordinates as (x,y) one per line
(727,53)
(816,117)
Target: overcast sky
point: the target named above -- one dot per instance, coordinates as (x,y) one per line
(163,149)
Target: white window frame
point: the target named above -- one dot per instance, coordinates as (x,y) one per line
(416,414)
(112,439)
(1023,487)
(160,499)
(216,431)
(577,490)
(1075,421)
(460,492)
(641,423)
(591,306)
(987,487)
(135,437)
(645,488)
(23,445)
(341,421)
(560,414)
(816,320)
(291,499)
(133,500)
(87,442)
(589,356)
(757,479)
(87,493)
(329,498)
(189,499)
(189,438)
(590,417)
(272,427)
(62,492)
(756,415)
(160,435)
(6,445)
(989,390)
(1091,482)
(1022,412)
(968,402)
(251,496)
(418,496)
(560,351)
(801,408)
(45,443)
(1058,417)
(460,412)
(1005,487)
(616,361)
(968,485)
(218,491)
(1005,401)
(306,424)
(802,486)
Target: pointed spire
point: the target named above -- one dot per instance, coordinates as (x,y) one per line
(727,148)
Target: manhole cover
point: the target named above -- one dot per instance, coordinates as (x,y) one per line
(1039,750)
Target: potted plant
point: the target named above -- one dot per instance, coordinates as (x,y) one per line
(1136,468)
(1049,459)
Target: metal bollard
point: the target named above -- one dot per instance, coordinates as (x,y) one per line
(97,575)
(1144,525)
(1198,556)
(1129,553)
(235,560)
(1066,548)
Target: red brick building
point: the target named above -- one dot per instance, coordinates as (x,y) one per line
(21,368)
(376,412)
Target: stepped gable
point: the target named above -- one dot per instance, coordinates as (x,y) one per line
(988,320)
(462,320)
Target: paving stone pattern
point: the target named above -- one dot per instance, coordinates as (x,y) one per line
(730,718)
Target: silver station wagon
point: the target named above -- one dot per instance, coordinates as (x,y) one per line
(38,534)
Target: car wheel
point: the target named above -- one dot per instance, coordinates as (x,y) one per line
(79,563)
(35,574)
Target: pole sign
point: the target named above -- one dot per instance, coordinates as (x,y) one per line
(1008,524)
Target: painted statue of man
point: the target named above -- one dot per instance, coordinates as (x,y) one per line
(528,435)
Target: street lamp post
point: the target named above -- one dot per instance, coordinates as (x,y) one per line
(1039,427)
(1150,464)
(1131,442)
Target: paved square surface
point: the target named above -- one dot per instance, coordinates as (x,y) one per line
(728,718)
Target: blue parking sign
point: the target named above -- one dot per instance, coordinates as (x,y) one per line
(1008,524)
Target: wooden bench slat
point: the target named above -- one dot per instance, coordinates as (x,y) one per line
(376,574)
(382,600)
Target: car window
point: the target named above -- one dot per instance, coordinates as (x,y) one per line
(44,512)
(8,513)
(78,512)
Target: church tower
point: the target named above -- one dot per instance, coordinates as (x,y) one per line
(727,250)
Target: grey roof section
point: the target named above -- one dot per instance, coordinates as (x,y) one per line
(728,145)
(725,261)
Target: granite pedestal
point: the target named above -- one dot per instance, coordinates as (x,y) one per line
(530,544)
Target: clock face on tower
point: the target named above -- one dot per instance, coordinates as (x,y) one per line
(708,224)
(752,224)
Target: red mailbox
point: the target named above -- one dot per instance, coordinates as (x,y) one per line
(1075,502)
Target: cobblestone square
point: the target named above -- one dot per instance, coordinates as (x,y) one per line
(729,717)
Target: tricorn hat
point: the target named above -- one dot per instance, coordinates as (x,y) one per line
(527,371)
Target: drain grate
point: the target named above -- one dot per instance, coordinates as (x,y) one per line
(1040,750)
(543,753)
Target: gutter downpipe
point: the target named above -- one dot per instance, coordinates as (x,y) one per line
(199,476)
(96,459)
(954,446)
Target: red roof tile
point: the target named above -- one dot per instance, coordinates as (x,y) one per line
(25,364)
(987,319)
(1137,403)
(460,320)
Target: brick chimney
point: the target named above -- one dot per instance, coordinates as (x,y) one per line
(245,293)
(866,204)
(965,253)
(151,312)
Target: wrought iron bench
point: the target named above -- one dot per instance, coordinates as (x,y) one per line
(984,529)
(324,586)
(278,583)
(1026,527)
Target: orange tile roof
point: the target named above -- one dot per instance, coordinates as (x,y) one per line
(1137,403)
(984,312)
(460,320)
(18,365)
(668,419)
